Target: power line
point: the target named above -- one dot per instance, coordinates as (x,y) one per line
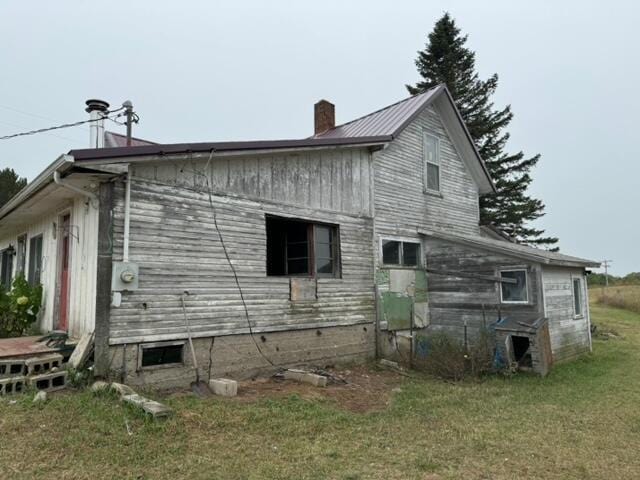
(34,115)
(66,125)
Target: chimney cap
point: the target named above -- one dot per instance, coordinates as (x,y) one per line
(96,104)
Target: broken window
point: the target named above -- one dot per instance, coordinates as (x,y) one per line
(395,252)
(35,259)
(300,248)
(577,297)
(154,354)
(431,163)
(514,291)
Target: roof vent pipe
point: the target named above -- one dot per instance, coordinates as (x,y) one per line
(97,110)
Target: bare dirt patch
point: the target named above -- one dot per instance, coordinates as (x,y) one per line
(365,390)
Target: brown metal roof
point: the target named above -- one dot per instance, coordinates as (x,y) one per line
(113,140)
(175,148)
(390,120)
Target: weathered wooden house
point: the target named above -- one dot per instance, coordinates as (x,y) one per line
(322,250)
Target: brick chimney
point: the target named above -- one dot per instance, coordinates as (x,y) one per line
(324,116)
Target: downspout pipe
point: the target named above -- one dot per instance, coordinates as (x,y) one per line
(93,198)
(127,217)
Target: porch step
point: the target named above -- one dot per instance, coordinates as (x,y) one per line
(12,385)
(12,367)
(49,382)
(42,364)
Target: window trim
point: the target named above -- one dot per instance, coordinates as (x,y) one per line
(526,284)
(425,174)
(144,346)
(334,229)
(25,257)
(577,315)
(29,258)
(401,240)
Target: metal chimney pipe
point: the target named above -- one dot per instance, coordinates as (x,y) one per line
(97,110)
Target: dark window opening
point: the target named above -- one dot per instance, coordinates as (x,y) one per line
(35,260)
(299,248)
(162,355)
(6,267)
(521,351)
(395,252)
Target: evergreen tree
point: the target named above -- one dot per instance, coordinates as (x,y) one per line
(10,184)
(445,59)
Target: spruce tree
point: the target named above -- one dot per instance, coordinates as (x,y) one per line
(10,184)
(447,60)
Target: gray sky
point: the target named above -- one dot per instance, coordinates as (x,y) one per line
(203,71)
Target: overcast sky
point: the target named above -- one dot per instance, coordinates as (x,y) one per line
(203,71)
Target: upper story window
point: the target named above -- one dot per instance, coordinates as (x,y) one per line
(395,252)
(301,248)
(515,290)
(431,163)
(577,297)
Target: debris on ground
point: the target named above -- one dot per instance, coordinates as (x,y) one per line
(305,377)
(83,350)
(128,395)
(224,387)
(40,397)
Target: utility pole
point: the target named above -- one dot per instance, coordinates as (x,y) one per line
(606,264)
(128,108)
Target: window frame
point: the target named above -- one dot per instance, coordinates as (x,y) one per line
(312,264)
(526,287)
(21,262)
(147,346)
(581,296)
(30,259)
(426,163)
(401,241)
(6,268)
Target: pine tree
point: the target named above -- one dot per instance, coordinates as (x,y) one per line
(10,184)
(447,60)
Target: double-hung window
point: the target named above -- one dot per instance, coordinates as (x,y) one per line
(514,289)
(577,297)
(431,148)
(300,248)
(400,253)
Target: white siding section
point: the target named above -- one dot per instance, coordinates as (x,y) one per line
(402,206)
(82,285)
(570,335)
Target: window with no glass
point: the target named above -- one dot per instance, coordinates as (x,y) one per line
(157,354)
(514,290)
(396,252)
(577,297)
(431,163)
(301,248)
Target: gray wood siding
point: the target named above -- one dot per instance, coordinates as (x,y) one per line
(454,300)
(570,336)
(174,242)
(335,179)
(402,206)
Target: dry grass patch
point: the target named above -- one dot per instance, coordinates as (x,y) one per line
(626,297)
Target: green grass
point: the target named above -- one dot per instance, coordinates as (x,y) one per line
(581,422)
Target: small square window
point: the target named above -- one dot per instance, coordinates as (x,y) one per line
(515,289)
(395,252)
(390,252)
(161,354)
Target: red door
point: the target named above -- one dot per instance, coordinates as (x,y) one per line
(63,323)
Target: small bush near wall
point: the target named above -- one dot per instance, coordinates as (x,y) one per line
(19,307)
(447,357)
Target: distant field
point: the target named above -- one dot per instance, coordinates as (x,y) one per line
(627,297)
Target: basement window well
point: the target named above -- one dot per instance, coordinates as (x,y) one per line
(164,354)
(298,248)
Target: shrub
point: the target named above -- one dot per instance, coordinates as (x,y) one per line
(19,307)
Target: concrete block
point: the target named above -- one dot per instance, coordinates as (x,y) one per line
(305,377)
(122,389)
(12,385)
(153,408)
(43,363)
(49,382)
(40,397)
(82,351)
(12,367)
(224,387)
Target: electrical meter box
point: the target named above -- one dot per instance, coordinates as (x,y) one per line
(124,276)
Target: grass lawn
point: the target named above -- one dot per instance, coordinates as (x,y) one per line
(581,422)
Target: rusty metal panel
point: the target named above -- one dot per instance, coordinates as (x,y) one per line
(303,289)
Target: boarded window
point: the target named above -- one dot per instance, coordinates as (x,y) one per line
(21,254)
(300,248)
(6,267)
(35,260)
(431,163)
(396,252)
(577,296)
(153,355)
(516,290)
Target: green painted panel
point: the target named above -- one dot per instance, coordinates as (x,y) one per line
(397,310)
(382,277)
(421,286)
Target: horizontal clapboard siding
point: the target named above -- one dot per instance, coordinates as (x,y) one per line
(174,242)
(401,205)
(569,335)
